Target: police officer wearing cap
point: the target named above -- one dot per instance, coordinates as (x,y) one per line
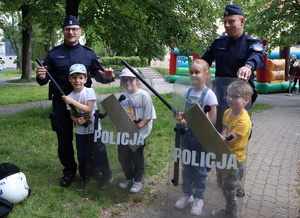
(58,62)
(236,54)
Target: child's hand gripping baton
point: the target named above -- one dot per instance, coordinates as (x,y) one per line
(76,112)
(150,87)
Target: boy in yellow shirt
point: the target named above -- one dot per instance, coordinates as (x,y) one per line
(236,122)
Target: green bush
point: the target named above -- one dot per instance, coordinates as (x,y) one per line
(133,61)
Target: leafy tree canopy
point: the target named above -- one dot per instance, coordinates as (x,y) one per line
(147,27)
(270,18)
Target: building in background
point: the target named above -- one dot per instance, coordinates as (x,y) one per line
(7,55)
(165,63)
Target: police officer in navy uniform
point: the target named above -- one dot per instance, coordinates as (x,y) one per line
(236,54)
(58,63)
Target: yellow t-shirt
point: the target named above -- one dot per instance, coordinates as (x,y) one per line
(241,125)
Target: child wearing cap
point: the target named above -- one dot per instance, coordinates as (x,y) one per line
(138,105)
(84,100)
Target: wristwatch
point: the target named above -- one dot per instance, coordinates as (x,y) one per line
(249,66)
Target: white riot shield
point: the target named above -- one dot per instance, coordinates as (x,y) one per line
(124,143)
(104,157)
(206,172)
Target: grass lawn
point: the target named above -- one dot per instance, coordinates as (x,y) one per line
(28,142)
(10,73)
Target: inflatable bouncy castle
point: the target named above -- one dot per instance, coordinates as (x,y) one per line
(179,65)
(272,77)
(269,79)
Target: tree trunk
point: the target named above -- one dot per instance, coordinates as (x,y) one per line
(72,7)
(26,39)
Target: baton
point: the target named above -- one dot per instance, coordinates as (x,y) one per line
(48,74)
(76,112)
(149,87)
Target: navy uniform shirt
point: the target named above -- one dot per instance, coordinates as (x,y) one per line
(62,57)
(230,55)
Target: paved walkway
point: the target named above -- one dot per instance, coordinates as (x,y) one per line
(272,176)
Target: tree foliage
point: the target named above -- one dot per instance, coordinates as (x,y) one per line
(11,31)
(145,27)
(269,18)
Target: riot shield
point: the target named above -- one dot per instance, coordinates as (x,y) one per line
(207,177)
(112,129)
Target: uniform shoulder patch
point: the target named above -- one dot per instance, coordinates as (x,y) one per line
(257,47)
(88,48)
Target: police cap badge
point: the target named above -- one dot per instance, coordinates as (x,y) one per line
(233,10)
(70,20)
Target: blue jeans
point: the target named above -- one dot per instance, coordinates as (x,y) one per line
(193,177)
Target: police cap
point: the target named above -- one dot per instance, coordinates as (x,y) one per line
(233,10)
(70,20)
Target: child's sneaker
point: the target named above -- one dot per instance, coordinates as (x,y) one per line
(197,207)
(136,187)
(125,183)
(240,192)
(183,201)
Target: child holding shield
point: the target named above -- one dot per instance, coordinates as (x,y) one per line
(139,107)
(236,122)
(194,177)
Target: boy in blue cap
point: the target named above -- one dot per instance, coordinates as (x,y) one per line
(88,152)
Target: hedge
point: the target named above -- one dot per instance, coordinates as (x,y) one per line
(133,61)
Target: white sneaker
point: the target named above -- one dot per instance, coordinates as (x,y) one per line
(183,201)
(136,187)
(125,183)
(197,207)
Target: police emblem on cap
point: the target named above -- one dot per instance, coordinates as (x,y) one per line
(233,10)
(70,20)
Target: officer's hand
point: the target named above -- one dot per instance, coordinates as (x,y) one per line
(107,74)
(41,72)
(244,73)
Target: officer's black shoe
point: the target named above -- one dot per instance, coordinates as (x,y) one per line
(106,181)
(66,180)
(240,192)
(82,184)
